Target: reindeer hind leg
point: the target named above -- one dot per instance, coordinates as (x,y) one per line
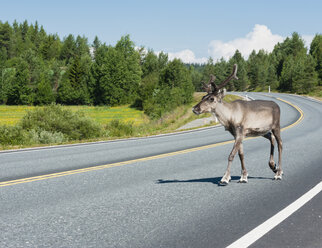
(270,136)
(279,172)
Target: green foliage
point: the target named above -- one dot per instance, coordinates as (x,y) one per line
(46,137)
(44,93)
(261,71)
(116,73)
(73,88)
(20,91)
(68,49)
(150,64)
(298,74)
(174,88)
(14,135)
(209,69)
(316,52)
(289,47)
(55,119)
(242,82)
(177,77)
(37,68)
(196,76)
(295,69)
(117,128)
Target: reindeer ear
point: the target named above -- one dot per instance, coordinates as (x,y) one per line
(223,92)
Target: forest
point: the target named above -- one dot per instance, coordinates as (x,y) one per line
(37,68)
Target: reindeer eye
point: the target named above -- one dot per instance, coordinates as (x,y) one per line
(211,99)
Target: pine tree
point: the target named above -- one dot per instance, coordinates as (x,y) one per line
(96,45)
(44,92)
(208,70)
(316,52)
(6,84)
(117,73)
(20,92)
(5,36)
(305,78)
(68,49)
(73,88)
(242,83)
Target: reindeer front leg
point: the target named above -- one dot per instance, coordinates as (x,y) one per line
(226,178)
(244,174)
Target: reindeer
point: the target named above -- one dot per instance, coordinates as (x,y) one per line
(243,119)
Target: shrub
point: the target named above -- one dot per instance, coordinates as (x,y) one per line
(118,128)
(13,135)
(45,137)
(58,121)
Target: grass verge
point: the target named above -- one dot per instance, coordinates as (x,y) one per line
(55,124)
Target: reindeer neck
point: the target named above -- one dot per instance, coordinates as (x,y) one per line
(223,112)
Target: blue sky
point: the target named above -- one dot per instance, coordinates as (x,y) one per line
(190,30)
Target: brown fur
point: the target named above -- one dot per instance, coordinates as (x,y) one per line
(243,119)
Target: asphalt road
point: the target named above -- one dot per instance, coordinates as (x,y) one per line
(172,200)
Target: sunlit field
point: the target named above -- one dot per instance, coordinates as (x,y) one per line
(10,115)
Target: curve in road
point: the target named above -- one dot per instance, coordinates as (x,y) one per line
(105,166)
(171,201)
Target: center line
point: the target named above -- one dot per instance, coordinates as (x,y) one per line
(100,167)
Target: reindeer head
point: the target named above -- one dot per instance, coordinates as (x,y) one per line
(214,94)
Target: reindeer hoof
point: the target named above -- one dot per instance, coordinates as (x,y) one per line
(279,177)
(243,178)
(223,183)
(243,181)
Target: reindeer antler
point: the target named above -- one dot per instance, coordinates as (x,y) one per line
(232,76)
(208,87)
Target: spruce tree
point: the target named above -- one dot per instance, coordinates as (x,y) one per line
(316,52)
(242,82)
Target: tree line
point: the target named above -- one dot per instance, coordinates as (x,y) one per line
(290,67)
(37,68)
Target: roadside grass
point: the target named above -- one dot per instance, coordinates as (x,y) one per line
(317,93)
(28,126)
(11,115)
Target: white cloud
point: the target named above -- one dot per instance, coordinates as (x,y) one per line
(260,37)
(307,40)
(187,56)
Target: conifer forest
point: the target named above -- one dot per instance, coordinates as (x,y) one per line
(37,68)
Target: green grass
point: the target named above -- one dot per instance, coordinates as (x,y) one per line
(317,93)
(11,115)
(27,126)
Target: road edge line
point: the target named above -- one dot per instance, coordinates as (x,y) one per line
(258,232)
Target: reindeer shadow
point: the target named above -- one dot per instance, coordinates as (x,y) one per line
(213,180)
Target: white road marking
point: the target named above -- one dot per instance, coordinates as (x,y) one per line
(272,222)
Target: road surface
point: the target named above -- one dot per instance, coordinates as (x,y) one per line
(163,191)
